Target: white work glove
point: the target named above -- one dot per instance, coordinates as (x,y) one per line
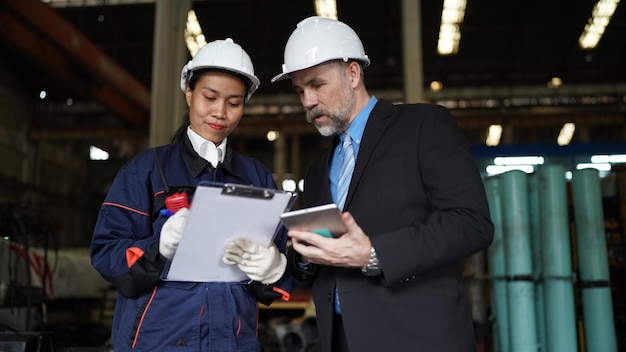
(171,232)
(265,265)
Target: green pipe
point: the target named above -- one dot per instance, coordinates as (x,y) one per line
(535,240)
(475,271)
(497,269)
(593,262)
(560,312)
(521,303)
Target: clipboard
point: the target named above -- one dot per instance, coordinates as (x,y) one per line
(219,213)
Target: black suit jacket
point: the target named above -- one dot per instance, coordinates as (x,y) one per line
(417,193)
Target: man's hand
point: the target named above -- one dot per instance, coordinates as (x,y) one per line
(265,265)
(350,250)
(171,232)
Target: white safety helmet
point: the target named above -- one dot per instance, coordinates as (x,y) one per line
(317,40)
(221,54)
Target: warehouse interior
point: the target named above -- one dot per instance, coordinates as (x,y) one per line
(84,75)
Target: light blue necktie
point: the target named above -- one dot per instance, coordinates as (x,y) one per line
(345,175)
(347,166)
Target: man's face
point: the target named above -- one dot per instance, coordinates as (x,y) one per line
(326,95)
(216,105)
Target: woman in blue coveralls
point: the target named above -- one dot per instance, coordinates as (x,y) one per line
(135,235)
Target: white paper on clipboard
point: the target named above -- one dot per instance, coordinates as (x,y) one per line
(220,213)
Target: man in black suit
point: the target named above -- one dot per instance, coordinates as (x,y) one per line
(415,206)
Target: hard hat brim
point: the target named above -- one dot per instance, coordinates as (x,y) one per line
(280,77)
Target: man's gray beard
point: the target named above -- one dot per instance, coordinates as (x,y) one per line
(337,123)
(334,127)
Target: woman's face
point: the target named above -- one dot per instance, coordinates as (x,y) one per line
(215,105)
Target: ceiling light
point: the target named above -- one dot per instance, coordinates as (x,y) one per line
(436,86)
(613,159)
(599,167)
(452,16)
(498,169)
(194,38)
(272,135)
(555,82)
(566,134)
(289,185)
(493,135)
(600,18)
(96,153)
(518,160)
(326,8)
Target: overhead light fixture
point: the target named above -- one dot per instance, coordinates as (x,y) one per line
(555,83)
(507,163)
(499,169)
(194,38)
(289,185)
(272,135)
(566,134)
(597,166)
(493,135)
(518,160)
(613,159)
(326,8)
(96,153)
(436,86)
(452,16)
(600,17)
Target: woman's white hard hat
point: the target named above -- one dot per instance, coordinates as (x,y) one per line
(317,40)
(225,55)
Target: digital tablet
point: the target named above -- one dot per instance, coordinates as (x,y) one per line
(323,219)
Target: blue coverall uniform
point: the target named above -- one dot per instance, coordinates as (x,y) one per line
(156,315)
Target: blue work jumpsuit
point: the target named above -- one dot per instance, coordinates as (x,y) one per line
(155,315)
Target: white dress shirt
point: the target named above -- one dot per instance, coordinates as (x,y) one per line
(207,149)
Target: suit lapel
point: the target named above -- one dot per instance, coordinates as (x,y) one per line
(376,125)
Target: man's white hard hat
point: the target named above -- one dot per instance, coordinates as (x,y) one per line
(317,40)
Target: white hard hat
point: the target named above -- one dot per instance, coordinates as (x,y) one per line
(225,55)
(317,40)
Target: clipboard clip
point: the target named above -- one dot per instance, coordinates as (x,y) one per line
(247,191)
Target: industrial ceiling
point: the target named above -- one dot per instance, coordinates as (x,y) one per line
(509,51)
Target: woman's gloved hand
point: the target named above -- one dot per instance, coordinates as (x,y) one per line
(171,232)
(265,265)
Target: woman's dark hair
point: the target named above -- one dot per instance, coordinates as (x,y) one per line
(195,77)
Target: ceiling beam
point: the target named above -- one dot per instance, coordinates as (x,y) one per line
(79,3)
(49,56)
(123,93)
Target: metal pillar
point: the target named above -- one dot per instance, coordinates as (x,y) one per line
(593,262)
(521,303)
(497,269)
(535,235)
(412,51)
(475,270)
(167,104)
(560,315)
(280,158)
